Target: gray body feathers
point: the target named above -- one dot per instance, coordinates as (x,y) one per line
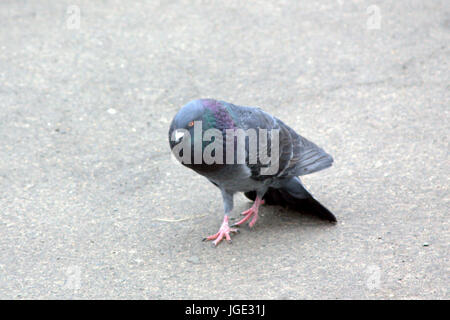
(297,157)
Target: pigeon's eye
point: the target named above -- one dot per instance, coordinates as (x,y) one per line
(191,124)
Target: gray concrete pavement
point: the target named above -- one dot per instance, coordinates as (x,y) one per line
(92,206)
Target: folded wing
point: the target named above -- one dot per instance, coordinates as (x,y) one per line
(297,155)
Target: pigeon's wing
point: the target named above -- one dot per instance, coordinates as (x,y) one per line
(254,118)
(307,157)
(297,155)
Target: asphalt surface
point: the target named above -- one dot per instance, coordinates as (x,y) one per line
(92,205)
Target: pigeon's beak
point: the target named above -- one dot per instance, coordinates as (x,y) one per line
(178,135)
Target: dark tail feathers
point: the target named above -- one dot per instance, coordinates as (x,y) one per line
(305,204)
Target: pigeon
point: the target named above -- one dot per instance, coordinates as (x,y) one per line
(245,149)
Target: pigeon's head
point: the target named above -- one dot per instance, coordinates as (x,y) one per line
(197,125)
(185,120)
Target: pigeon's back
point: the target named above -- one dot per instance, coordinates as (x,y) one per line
(297,155)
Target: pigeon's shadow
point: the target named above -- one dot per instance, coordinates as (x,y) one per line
(279,217)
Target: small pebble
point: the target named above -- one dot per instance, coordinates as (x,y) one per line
(112,111)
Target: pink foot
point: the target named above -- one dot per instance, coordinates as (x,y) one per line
(224,231)
(251,213)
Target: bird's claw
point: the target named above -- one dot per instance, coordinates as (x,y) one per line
(224,232)
(250,213)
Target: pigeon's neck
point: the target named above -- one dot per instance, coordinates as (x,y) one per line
(217,115)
